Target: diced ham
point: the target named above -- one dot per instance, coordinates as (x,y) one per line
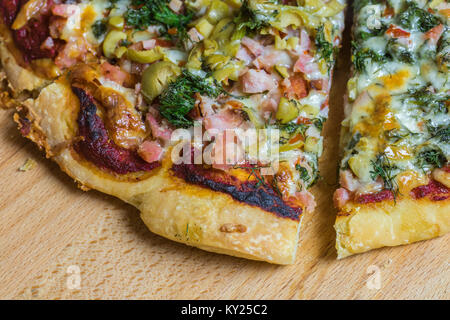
(65,10)
(149,44)
(269,106)
(254,46)
(307,200)
(256,81)
(227,151)
(244,55)
(56,26)
(434,34)
(158,129)
(396,32)
(113,73)
(306,64)
(73,50)
(194,35)
(271,58)
(295,86)
(340,197)
(348,180)
(224,119)
(176,5)
(305,41)
(150,151)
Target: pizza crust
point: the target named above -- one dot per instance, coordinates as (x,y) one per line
(360,228)
(169,206)
(20,79)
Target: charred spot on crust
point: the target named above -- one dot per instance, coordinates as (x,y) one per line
(434,190)
(96,146)
(248,192)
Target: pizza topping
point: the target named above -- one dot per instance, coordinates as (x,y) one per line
(150,151)
(397,131)
(9,10)
(96,146)
(255,81)
(434,190)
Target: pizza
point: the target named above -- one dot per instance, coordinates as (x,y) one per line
(395,173)
(159,102)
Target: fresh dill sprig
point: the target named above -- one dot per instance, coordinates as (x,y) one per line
(325,48)
(430,159)
(157,12)
(360,55)
(178,99)
(383,168)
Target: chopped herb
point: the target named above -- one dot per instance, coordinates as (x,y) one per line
(304,175)
(178,99)
(361,55)
(325,48)
(252,19)
(290,129)
(439,132)
(354,140)
(99,28)
(417,19)
(318,122)
(383,168)
(428,101)
(364,35)
(157,12)
(433,158)
(28,165)
(399,52)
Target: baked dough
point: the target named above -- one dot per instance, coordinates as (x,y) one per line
(169,206)
(360,228)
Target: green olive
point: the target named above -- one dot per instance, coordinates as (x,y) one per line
(287,110)
(223,31)
(145,56)
(111,41)
(156,78)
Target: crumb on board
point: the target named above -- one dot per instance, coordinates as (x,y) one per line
(28,165)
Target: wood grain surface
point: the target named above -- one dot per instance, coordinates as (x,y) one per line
(50,230)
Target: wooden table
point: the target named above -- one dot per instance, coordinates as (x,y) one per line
(58,242)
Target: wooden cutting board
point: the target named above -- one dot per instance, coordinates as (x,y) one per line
(58,242)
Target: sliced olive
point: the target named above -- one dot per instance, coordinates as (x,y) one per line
(145,56)
(156,78)
(111,41)
(287,110)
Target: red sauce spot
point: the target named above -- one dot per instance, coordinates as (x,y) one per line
(96,146)
(375,197)
(434,190)
(9,10)
(30,37)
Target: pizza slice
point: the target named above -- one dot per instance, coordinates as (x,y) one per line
(117,93)
(395,175)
